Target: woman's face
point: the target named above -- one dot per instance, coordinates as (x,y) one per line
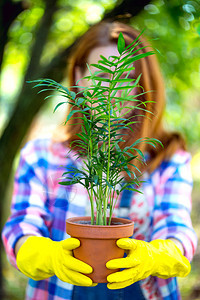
(93,58)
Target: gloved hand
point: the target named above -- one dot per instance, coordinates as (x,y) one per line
(161,258)
(40,258)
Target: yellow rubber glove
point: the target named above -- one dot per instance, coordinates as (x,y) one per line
(161,258)
(40,258)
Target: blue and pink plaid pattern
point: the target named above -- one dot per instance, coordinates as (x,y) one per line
(40,207)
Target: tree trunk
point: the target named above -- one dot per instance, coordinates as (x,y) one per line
(8,12)
(22,115)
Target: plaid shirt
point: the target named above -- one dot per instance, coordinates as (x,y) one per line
(40,207)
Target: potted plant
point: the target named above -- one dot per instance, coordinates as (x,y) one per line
(104,122)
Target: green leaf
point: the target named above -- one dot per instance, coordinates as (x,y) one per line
(109,185)
(71,114)
(124,80)
(100,78)
(138,79)
(107,62)
(84,137)
(80,101)
(136,57)
(121,88)
(102,68)
(120,43)
(129,69)
(96,179)
(139,152)
(86,183)
(86,94)
(58,105)
(104,59)
(132,189)
(66,182)
(73,95)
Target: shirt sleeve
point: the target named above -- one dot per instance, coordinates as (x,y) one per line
(172,208)
(29,213)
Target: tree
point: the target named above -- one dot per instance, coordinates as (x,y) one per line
(8,13)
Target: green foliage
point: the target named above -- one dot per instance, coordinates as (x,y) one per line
(173,27)
(121,43)
(101,137)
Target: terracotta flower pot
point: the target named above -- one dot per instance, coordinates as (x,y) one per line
(98,243)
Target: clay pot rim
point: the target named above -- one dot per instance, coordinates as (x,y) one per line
(117,220)
(117,231)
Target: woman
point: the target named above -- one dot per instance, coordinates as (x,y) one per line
(164,239)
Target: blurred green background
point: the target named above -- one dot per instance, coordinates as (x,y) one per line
(35,46)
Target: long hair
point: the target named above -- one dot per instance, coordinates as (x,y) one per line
(148,125)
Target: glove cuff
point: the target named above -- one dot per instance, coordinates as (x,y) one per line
(170,261)
(34,258)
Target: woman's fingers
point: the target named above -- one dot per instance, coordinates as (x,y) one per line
(75,278)
(125,275)
(119,285)
(127,243)
(121,263)
(70,244)
(77,265)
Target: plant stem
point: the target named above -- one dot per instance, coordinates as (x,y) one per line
(92,206)
(108,164)
(90,153)
(108,150)
(112,206)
